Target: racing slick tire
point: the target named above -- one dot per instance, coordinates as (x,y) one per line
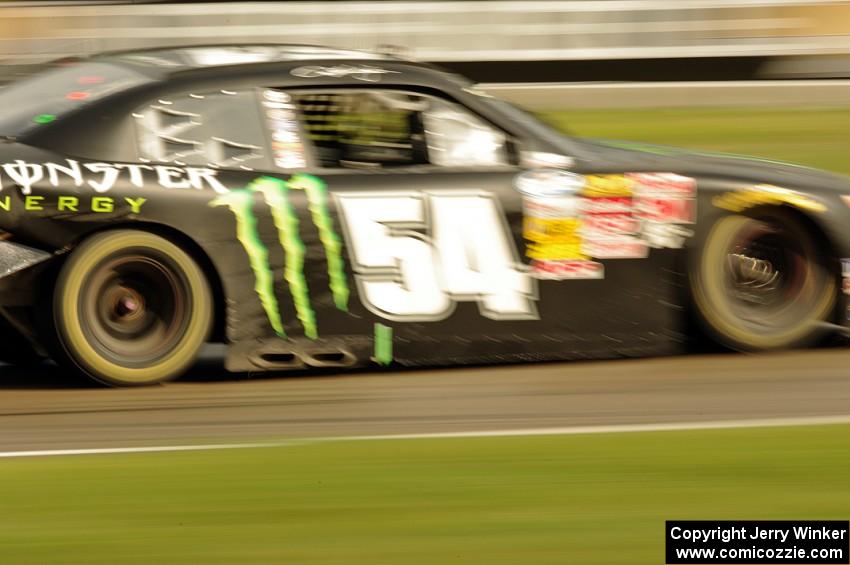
(762,282)
(131,308)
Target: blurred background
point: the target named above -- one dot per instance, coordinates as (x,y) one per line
(502,41)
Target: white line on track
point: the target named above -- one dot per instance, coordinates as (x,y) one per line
(568,430)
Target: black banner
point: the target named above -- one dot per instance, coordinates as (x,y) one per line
(753,541)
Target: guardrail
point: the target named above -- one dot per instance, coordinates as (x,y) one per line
(461,31)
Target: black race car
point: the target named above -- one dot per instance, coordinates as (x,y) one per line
(313,207)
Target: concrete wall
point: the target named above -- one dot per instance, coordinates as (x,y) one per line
(444,30)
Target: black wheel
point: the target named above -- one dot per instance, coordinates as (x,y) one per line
(763,283)
(131,308)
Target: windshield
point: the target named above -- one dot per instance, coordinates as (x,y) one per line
(518,114)
(561,140)
(43,98)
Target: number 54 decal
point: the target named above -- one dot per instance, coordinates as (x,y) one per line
(466,253)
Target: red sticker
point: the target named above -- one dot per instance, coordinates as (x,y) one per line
(668,210)
(554,269)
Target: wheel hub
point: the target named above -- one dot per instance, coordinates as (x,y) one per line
(766,270)
(135,307)
(129,304)
(755,280)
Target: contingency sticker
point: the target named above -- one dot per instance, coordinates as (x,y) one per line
(282,120)
(571,221)
(608,223)
(664,197)
(664,201)
(551,225)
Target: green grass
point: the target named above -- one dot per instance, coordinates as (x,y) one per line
(595,499)
(817,137)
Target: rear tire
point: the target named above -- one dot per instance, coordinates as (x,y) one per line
(763,283)
(131,308)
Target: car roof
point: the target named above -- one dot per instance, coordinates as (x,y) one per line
(228,61)
(183,58)
(208,68)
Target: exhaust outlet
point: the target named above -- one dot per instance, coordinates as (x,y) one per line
(330,358)
(275,360)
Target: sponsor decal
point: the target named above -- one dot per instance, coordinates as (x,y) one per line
(664,201)
(765,194)
(603,216)
(664,184)
(624,247)
(562,270)
(609,223)
(664,198)
(287,148)
(551,223)
(549,183)
(100,178)
(65,203)
(598,186)
(665,210)
(365,73)
(609,227)
(275,194)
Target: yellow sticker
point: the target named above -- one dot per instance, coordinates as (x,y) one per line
(765,194)
(551,230)
(555,251)
(601,186)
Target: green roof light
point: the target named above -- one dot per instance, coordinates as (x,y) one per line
(44,118)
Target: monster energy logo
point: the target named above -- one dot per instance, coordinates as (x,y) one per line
(275,193)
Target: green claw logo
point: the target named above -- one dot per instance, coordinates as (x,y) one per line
(276,195)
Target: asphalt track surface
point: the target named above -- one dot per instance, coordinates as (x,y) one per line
(41,410)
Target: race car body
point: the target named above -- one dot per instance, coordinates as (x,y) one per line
(312,207)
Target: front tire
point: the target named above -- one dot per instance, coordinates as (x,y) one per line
(131,308)
(763,282)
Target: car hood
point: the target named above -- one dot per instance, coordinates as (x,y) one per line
(629,156)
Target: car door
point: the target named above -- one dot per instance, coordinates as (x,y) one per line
(351,209)
(467,255)
(223,132)
(366,155)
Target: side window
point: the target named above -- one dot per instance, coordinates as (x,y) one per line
(222,129)
(381,129)
(456,137)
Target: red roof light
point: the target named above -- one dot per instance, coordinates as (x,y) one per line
(77,95)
